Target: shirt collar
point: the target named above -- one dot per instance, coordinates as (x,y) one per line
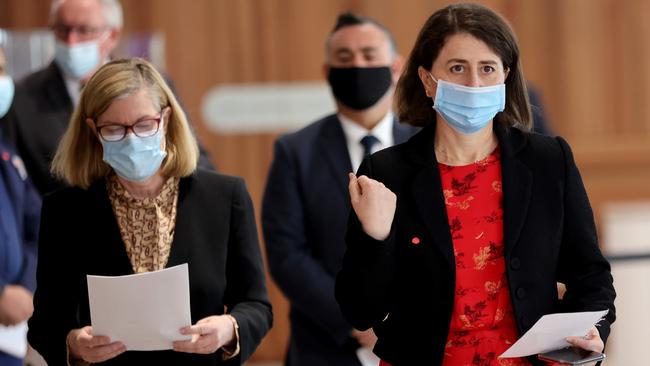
(354,132)
(73,85)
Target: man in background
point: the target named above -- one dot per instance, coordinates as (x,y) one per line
(85,32)
(306,203)
(20,207)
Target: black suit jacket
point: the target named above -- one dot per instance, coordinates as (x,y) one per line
(304,216)
(215,234)
(42,111)
(406,291)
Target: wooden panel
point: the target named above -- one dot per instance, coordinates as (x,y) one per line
(587,57)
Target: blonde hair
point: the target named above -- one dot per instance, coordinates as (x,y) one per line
(78,159)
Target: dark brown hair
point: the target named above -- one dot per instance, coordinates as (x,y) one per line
(414,107)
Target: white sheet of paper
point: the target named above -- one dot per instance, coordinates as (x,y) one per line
(366,357)
(145,311)
(549,332)
(13,339)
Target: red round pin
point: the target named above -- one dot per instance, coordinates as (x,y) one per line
(415,240)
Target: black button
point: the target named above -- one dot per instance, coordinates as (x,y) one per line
(521,293)
(515,263)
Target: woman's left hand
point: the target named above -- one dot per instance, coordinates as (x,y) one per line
(208,335)
(591,342)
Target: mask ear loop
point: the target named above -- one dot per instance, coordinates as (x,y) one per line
(426,90)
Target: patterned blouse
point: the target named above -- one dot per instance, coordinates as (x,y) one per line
(483,323)
(146,224)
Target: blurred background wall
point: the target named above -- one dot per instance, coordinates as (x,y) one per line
(589,59)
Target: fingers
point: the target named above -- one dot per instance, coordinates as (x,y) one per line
(208,335)
(193,329)
(94,348)
(204,338)
(365,182)
(200,329)
(85,338)
(353,187)
(94,341)
(591,342)
(203,344)
(104,353)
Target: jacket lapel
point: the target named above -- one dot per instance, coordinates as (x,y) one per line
(56,89)
(517,186)
(107,231)
(334,147)
(428,195)
(179,252)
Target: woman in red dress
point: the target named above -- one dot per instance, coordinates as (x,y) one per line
(459,236)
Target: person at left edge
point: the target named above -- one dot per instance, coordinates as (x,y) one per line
(305,206)
(85,33)
(20,207)
(137,203)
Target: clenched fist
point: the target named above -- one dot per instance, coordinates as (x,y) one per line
(374,205)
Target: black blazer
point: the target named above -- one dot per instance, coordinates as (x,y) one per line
(215,234)
(42,111)
(304,216)
(406,291)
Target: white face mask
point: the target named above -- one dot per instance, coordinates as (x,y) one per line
(6,94)
(79,59)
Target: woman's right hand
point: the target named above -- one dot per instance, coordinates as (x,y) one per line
(374,205)
(84,346)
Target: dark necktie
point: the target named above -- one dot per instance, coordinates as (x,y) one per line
(368,142)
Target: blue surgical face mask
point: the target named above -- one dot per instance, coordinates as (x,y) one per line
(6,94)
(79,59)
(135,158)
(468,109)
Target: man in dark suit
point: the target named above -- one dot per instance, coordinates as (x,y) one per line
(86,32)
(20,208)
(306,205)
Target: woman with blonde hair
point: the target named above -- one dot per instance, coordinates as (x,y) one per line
(137,203)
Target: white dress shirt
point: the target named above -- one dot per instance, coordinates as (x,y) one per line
(354,132)
(73,86)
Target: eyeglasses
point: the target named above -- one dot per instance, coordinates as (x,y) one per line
(62,31)
(144,128)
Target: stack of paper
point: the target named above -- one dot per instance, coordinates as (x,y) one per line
(144,311)
(550,331)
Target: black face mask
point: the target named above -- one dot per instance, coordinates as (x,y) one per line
(359,87)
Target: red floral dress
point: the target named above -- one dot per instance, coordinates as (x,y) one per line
(482,324)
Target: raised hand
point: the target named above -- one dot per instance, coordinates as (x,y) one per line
(374,205)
